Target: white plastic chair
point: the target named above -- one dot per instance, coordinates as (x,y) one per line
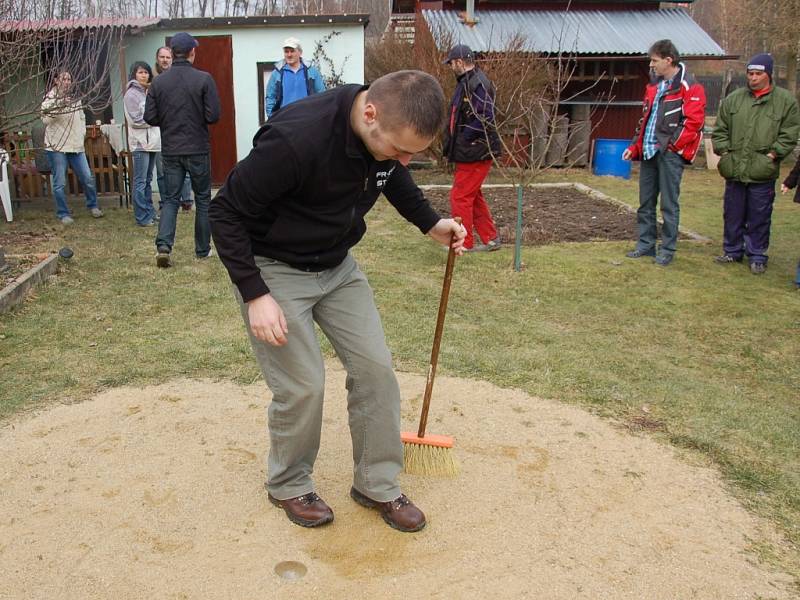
(5,190)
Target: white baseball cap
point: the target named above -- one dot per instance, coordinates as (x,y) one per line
(291,42)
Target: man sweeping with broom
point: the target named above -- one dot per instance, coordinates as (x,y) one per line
(283,225)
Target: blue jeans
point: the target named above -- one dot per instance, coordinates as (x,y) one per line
(659,176)
(143,164)
(186,190)
(797,275)
(198,166)
(80,166)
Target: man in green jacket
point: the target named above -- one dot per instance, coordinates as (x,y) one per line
(757,128)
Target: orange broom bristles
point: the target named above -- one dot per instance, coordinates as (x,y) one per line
(440,441)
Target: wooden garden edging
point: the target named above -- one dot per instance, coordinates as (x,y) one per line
(15,292)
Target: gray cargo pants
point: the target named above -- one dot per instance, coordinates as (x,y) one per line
(341,302)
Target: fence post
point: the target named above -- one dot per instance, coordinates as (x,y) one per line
(5,191)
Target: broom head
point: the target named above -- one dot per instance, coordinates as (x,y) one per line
(428,455)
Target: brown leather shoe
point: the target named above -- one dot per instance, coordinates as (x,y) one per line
(400,513)
(308,510)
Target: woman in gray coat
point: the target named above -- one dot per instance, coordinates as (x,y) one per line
(144,142)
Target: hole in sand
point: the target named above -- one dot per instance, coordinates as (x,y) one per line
(291,570)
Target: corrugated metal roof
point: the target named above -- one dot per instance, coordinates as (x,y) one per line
(580,31)
(67,24)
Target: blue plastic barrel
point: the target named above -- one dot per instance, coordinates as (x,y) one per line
(608,158)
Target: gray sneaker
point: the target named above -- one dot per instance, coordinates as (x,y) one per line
(67,220)
(757,268)
(96,212)
(637,253)
(663,259)
(727,259)
(493,245)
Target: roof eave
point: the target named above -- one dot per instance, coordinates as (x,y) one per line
(262,20)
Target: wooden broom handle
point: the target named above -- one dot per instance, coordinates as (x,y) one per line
(437,336)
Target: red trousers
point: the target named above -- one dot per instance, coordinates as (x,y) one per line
(467,201)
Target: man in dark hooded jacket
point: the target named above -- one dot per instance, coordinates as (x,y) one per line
(183,102)
(471,142)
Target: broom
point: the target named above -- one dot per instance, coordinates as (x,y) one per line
(432,454)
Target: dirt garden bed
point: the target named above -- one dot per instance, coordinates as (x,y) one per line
(24,264)
(23,251)
(551,214)
(16,266)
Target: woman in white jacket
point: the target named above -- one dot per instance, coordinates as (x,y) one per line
(144,142)
(65,130)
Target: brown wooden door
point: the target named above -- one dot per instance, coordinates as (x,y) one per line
(215,55)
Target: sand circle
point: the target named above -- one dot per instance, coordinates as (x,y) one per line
(158,492)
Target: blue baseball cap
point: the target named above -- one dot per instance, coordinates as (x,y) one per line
(183,41)
(459,51)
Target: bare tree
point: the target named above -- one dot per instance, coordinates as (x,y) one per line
(537,132)
(32,57)
(748,27)
(320,57)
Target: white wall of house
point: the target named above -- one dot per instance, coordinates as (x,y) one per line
(252,46)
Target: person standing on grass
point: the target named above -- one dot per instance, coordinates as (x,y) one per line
(790,183)
(291,79)
(756,129)
(144,142)
(283,225)
(471,142)
(183,101)
(65,131)
(164,62)
(666,139)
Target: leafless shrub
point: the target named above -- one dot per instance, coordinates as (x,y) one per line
(320,57)
(532,117)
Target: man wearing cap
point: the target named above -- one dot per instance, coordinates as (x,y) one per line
(666,139)
(163,63)
(291,79)
(756,129)
(471,142)
(183,102)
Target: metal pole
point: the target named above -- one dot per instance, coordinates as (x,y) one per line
(518,240)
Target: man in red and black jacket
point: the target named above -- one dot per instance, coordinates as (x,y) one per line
(666,139)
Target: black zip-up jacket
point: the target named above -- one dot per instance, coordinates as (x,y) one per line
(470,134)
(301,194)
(183,102)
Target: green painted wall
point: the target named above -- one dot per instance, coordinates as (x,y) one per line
(25,100)
(251,46)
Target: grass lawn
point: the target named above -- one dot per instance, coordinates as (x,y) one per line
(706,356)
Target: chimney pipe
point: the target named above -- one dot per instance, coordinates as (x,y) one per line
(471,20)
